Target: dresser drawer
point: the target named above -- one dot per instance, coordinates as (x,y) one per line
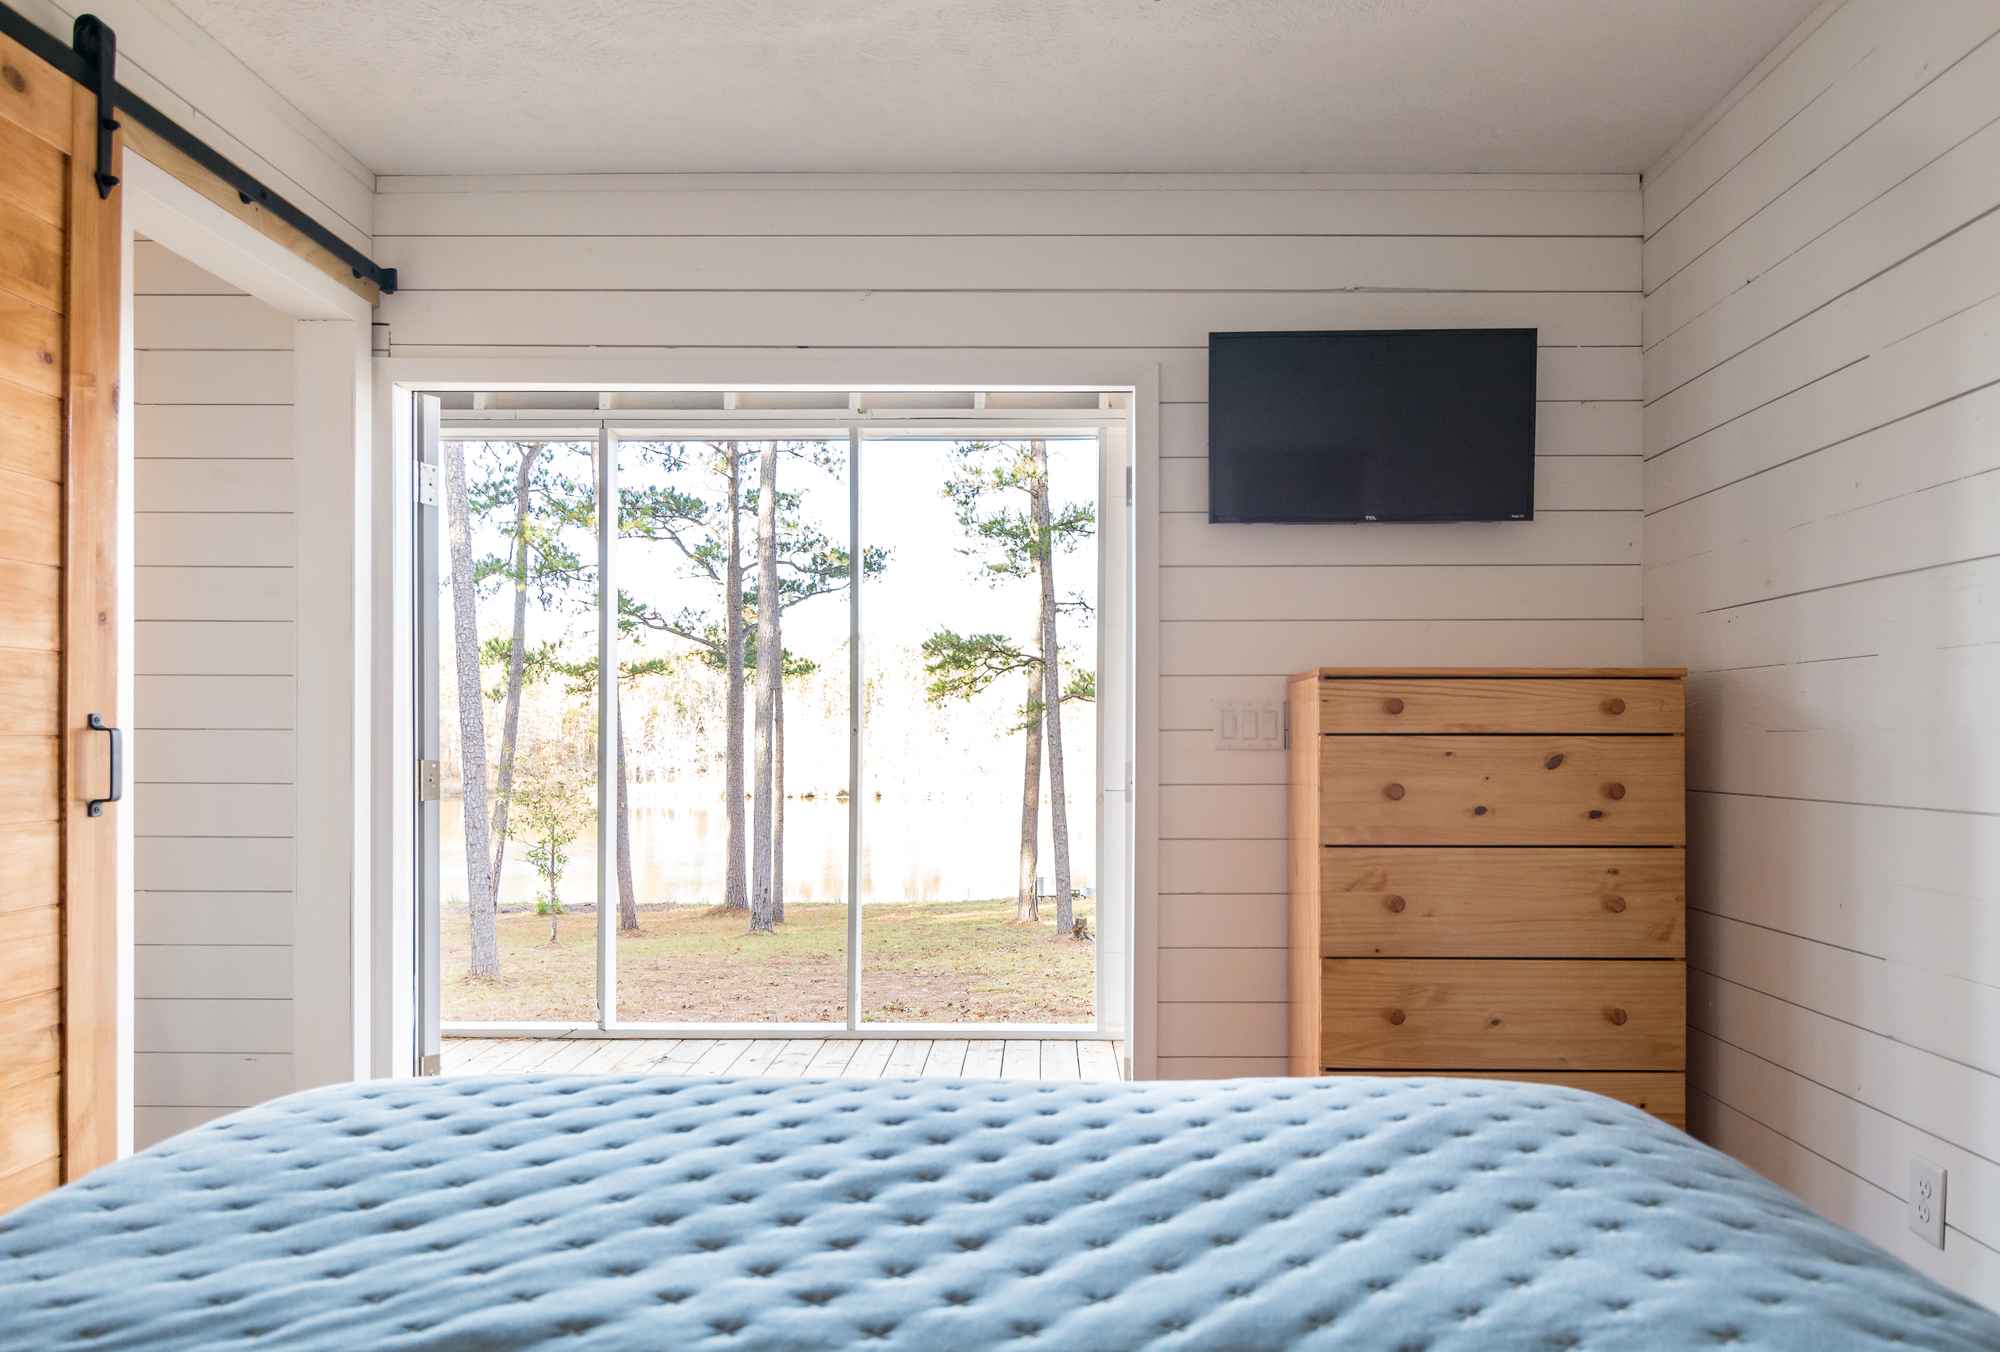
(1534,790)
(1501,903)
(1407,705)
(1467,1014)
(1662,1093)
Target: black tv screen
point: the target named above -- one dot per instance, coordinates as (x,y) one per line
(1372,425)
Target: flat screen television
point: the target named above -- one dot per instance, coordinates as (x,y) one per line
(1372,425)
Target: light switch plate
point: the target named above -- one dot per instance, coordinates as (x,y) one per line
(1927,1201)
(1249,724)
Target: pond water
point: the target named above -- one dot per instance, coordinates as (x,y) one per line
(914,850)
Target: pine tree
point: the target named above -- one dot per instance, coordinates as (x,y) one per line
(802,563)
(1016,540)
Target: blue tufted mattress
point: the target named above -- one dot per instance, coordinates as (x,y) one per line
(648,1214)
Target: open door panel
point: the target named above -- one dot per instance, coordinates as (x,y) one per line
(59,288)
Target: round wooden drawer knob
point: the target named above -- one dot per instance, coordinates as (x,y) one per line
(1395,904)
(1614,706)
(1395,792)
(1615,1015)
(1394,706)
(1396,1016)
(1614,904)
(1614,791)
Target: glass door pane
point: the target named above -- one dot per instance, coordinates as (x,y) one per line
(515,644)
(694,945)
(979,807)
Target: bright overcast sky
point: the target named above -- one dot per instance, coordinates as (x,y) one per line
(927,583)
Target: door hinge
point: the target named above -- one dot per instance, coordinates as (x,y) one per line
(427,485)
(430,785)
(1128,485)
(430,1065)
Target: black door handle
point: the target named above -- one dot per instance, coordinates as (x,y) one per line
(117,765)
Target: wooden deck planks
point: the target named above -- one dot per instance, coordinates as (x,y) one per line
(808,1058)
(983,1058)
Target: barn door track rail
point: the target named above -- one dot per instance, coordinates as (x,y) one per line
(91,61)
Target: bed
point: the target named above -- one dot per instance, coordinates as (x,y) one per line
(635,1213)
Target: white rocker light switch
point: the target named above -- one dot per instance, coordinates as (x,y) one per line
(1249,724)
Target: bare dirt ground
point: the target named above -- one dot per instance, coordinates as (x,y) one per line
(961,962)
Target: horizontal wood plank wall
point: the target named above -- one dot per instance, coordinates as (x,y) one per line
(213,744)
(1143,268)
(1822,371)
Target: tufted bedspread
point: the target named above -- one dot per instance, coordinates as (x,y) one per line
(647,1214)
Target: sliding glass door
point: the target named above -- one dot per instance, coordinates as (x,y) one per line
(734,587)
(979,643)
(812,739)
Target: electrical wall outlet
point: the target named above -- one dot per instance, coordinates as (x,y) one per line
(1249,724)
(1927,1200)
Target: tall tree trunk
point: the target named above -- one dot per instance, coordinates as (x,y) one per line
(736,885)
(778,787)
(510,726)
(1052,688)
(768,663)
(1028,905)
(628,901)
(471,717)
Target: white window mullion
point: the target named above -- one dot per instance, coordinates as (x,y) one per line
(607,728)
(857,684)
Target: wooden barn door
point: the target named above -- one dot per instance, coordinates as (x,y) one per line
(59,256)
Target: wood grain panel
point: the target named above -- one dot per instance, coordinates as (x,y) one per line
(90,658)
(31,1128)
(1502,903)
(1495,1015)
(1534,790)
(35,172)
(31,866)
(31,255)
(1661,1093)
(30,1038)
(1501,706)
(30,693)
(30,948)
(30,606)
(30,519)
(1500,673)
(162,153)
(30,782)
(1305,860)
(31,342)
(30,432)
(35,96)
(24,1185)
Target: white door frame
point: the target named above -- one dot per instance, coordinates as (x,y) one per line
(331,452)
(396,381)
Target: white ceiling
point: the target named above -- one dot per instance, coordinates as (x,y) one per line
(1366,86)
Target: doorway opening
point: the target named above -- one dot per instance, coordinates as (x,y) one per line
(918,821)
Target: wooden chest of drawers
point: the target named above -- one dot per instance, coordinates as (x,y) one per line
(1488,875)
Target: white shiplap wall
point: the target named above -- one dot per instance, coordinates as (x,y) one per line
(1822,486)
(213,746)
(1139,268)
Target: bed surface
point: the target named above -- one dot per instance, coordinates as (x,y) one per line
(668,1215)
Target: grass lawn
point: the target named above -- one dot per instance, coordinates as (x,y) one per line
(957,962)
